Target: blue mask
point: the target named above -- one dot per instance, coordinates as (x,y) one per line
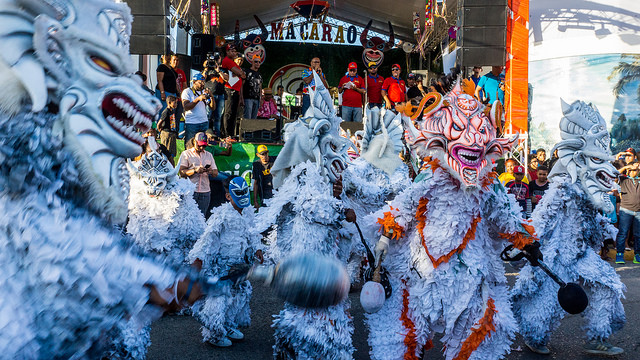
(239,191)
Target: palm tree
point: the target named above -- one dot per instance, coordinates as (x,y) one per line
(627,73)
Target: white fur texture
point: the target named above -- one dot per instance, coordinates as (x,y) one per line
(571,232)
(229,238)
(451,298)
(307,219)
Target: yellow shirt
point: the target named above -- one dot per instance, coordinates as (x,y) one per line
(506,177)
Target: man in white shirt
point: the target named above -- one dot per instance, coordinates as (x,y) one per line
(195,100)
(197,164)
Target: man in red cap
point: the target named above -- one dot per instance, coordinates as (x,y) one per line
(351,87)
(233,87)
(519,189)
(393,88)
(196,164)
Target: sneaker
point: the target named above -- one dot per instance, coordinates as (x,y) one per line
(602,347)
(224,342)
(619,258)
(636,259)
(538,349)
(234,334)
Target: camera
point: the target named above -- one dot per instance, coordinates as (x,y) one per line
(212,60)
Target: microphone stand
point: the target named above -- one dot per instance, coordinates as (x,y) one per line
(366,95)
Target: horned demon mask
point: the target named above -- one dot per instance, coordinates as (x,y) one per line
(315,137)
(374,48)
(154,170)
(75,54)
(461,132)
(584,152)
(252,44)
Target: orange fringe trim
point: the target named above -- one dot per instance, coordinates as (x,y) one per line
(388,224)
(410,339)
(520,240)
(421,217)
(479,333)
(489,180)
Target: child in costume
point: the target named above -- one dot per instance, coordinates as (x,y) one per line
(230,238)
(571,228)
(441,239)
(307,219)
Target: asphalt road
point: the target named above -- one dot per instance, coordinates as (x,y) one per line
(178,337)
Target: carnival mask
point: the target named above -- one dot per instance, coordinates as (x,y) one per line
(374,48)
(252,44)
(154,170)
(584,153)
(459,131)
(239,192)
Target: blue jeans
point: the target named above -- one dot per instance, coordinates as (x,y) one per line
(190,130)
(353,114)
(202,199)
(625,219)
(306,103)
(251,108)
(217,113)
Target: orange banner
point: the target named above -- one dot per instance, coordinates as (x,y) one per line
(517,67)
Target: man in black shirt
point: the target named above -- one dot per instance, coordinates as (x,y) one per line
(538,187)
(168,127)
(415,92)
(262,178)
(214,82)
(252,90)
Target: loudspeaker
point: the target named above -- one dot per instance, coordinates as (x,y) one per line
(149,26)
(201,45)
(482,33)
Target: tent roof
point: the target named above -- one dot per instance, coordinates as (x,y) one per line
(357,12)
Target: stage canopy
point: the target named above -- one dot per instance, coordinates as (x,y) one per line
(356,12)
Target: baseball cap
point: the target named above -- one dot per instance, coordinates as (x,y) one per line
(631,150)
(518,169)
(353,65)
(396,65)
(198,76)
(411,76)
(201,139)
(261,149)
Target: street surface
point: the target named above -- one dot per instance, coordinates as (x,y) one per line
(178,337)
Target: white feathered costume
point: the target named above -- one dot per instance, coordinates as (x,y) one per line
(229,238)
(71,113)
(307,219)
(163,216)
(571,230)
(447,231)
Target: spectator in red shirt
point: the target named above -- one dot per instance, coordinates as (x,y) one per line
(373,84)
(351,87)
(393,88)
(233,87)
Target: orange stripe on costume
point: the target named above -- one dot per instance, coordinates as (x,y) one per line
(479,333)
(410,339)
(421,217)
(388,225)
(519,239)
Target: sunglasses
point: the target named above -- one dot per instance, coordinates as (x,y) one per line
(395,69)
(263,153)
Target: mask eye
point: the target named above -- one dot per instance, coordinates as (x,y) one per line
(370,45)
(597,160)
(257,41)
(246,43)
(456,127)
(102,64)
(482,131)
(380,47)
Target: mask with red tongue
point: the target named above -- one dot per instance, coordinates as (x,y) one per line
(461,132)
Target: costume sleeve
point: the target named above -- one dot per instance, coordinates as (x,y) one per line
(505,218)
(207,247)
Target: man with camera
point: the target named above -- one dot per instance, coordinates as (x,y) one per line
(214,82)
(196,164)
(195,100)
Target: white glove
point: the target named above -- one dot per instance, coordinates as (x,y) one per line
(381,250)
